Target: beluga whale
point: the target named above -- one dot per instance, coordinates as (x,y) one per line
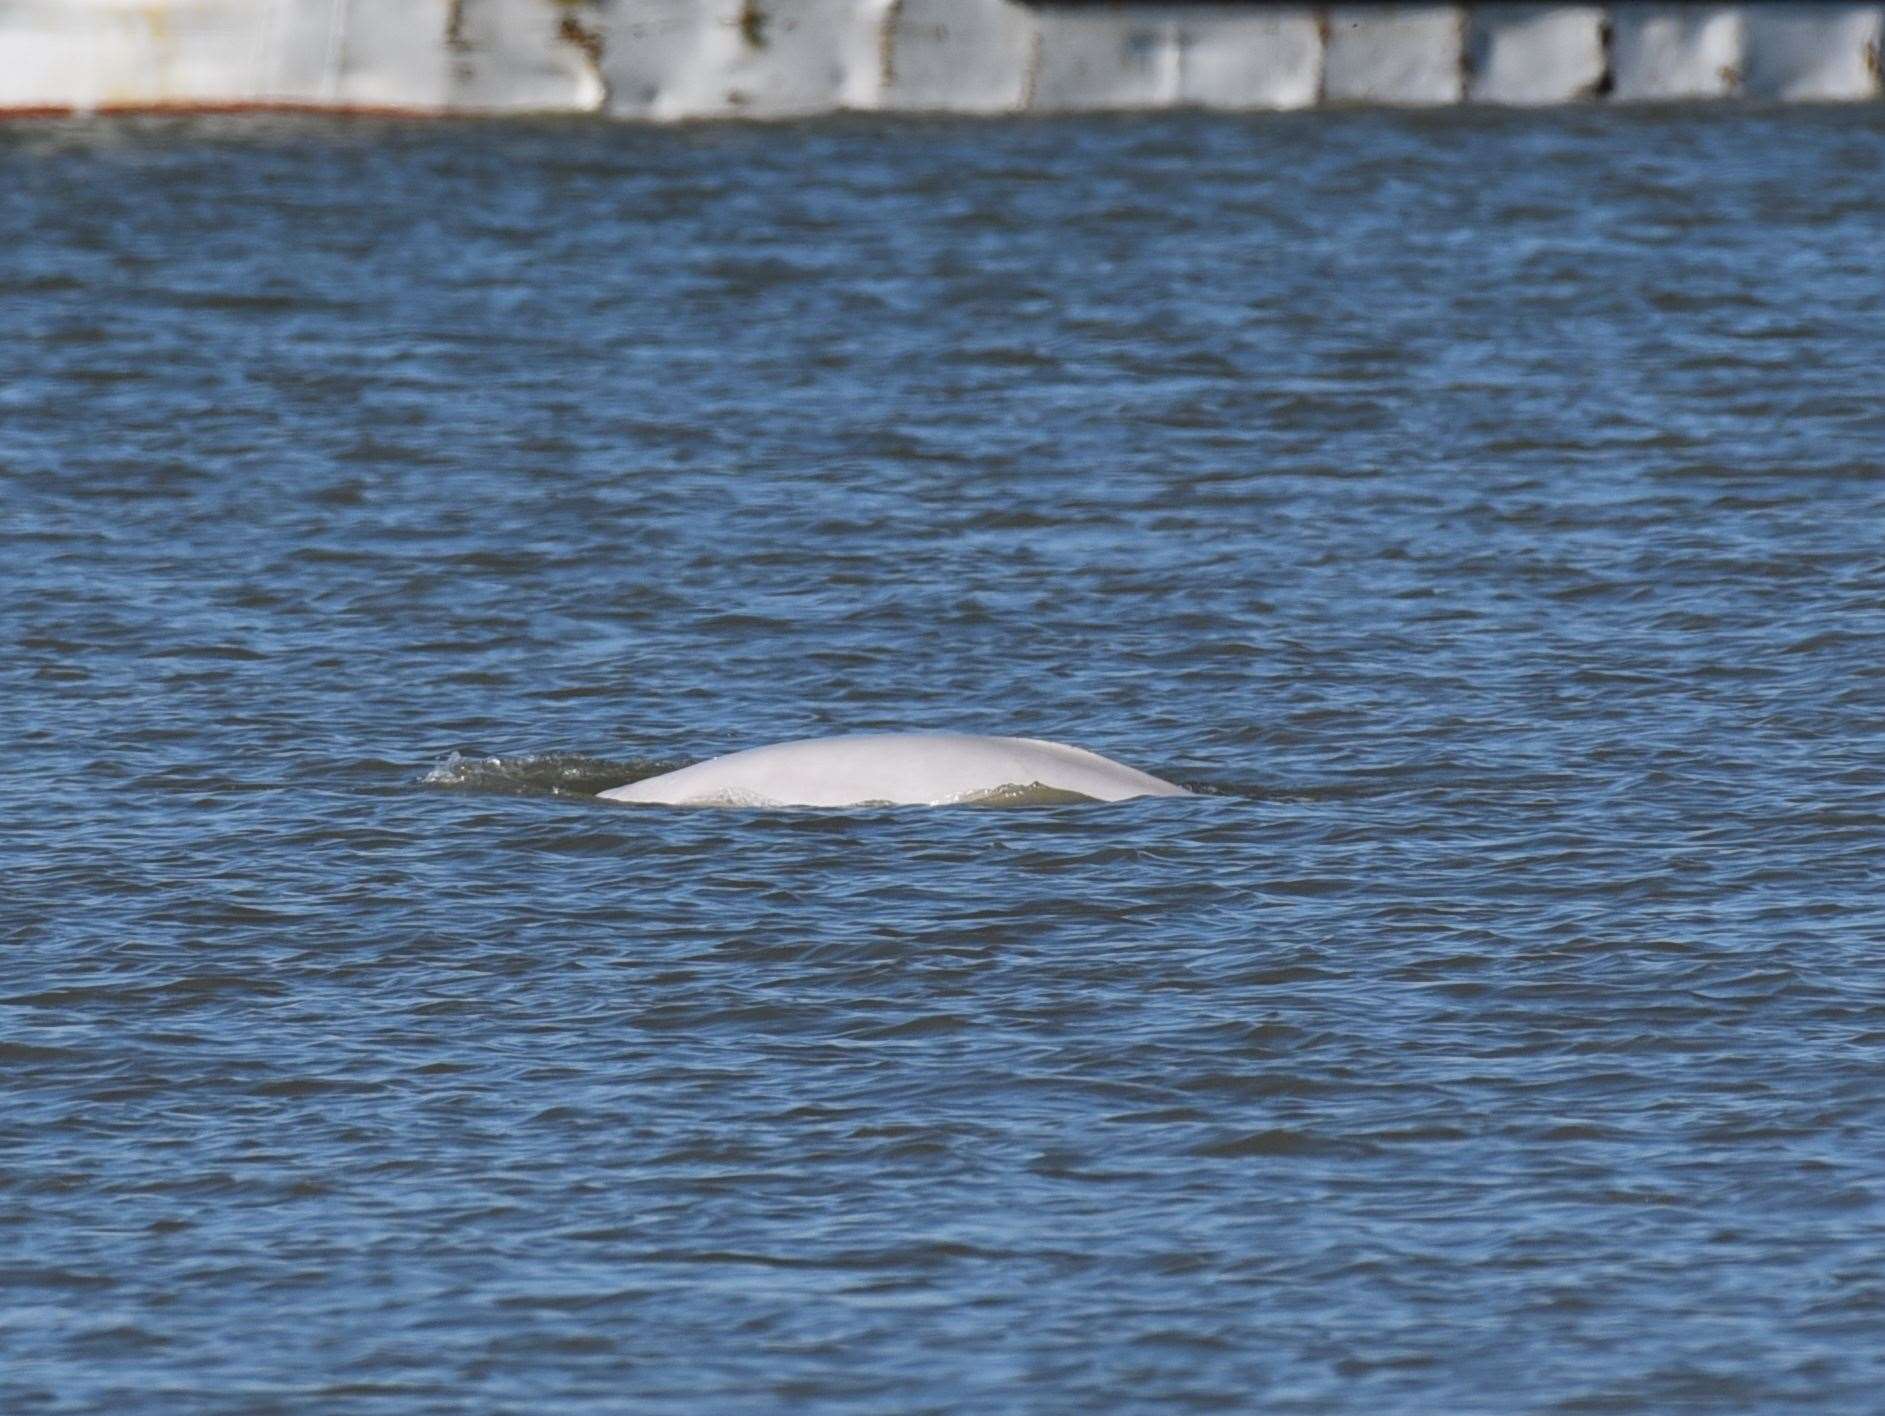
(899,769)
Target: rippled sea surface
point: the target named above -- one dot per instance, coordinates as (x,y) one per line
(1485,514)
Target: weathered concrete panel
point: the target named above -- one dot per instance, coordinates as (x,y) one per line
(1523,54)
(959,56)
(675,59)
(800,56)
(114,53)
(1233,57)
(1092,60)
(214,53)
(1402,54)
(1220,56)
(659,58)
(391,56)
(1676,51)
(1816,52)
(524,56)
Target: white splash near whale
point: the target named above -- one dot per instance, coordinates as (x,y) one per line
(898,769)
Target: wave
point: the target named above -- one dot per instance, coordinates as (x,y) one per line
(1025,794)
(560,774)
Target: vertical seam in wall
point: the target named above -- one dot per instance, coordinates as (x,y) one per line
(1323,27)
(887,50)
(1031,76)
(1734,76)
(458,64)
(1607,52)
(1462,60)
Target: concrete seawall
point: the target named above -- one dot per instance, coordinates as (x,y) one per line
(670,60)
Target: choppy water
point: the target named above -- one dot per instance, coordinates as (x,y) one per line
(1484,512)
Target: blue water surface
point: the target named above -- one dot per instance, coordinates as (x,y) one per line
(1482,513)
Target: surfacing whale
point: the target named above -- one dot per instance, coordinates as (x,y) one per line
(897,769)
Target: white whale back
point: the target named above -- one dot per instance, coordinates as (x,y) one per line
(903,769)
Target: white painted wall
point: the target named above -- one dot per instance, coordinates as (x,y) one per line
(665,60)
(1531,54)
(659,57)
(88,54)
(1814,52)
(959,56)
(673,59)
(101,53)
(523,56)
(1246,58)
(1216,56)
(389,56)
(1677,51)
(1092,60)
(1397,54)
